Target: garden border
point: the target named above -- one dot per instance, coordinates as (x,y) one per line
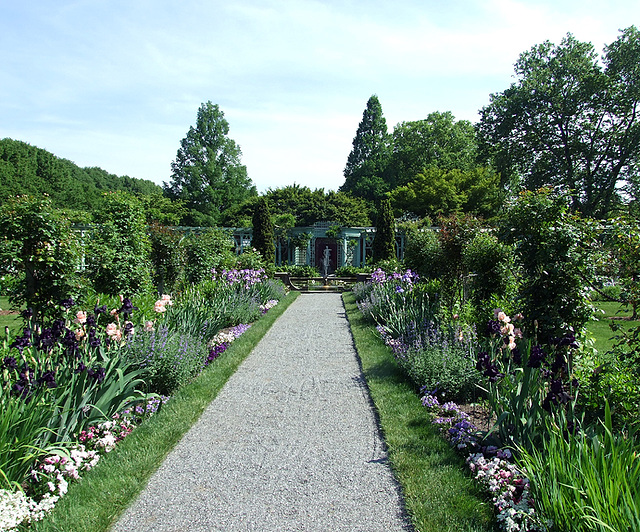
(95,503)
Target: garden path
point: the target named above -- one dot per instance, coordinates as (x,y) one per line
(291,443)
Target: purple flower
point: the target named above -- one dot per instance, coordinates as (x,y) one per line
(493,327)
(22,341)
(127,308)
(97,374)
(68,303)
(10,363)
(48,378)
(536,357)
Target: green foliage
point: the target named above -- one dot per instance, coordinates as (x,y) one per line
(352,271)
(300,271)
(439,141)
(26,169)
(118,251)
(586,481)
(491,265)
(263,237)
(623,240)
(209,249)
(167,256)
(608,378)
(570,121)
(369,156)
(207,174)
(23,436)
(307,207)
(160,210)
(435,191)
(423,254)
(384,242)
(456,233)
(39,249)
(556,265)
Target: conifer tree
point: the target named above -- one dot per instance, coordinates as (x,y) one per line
(370,154)
(384,242)
(263,232)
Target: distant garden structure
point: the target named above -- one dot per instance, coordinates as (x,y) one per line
(306,246)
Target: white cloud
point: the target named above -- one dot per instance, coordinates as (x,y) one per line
(117,84)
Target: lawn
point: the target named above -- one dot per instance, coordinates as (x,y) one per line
(11,320)
(600,329)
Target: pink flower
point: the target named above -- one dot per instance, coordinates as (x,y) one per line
(160,306)
(148,326)
(79,334)
(167,299)
(81,317)
(112,329)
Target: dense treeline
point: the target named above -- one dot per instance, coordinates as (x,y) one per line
(27,169)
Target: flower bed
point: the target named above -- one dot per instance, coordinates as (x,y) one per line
(83,377)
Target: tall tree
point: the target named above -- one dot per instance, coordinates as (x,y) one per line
(207,173)
(438,141)
(570,121)
(383,246)
(263,236)
(369,157)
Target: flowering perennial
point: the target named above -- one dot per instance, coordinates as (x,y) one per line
(220,342)
(508,487)
(243,278)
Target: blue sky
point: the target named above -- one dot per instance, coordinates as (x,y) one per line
(117,83)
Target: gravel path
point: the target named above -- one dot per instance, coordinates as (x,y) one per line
(290,443)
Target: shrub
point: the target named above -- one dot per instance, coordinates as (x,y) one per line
(263,236)
(118,250)
(440,359)
(212,248)
(40,253)
(168,361)
(300,271)
(351,271)
(555,263)
(167,257)
(423,254)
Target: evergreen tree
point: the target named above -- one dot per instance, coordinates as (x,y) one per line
(369,157)
(263,232)
(384,242)
(207,173)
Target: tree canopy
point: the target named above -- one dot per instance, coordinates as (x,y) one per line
(369,157)
(438,141)
(26,169)
(306,206)
(570,121)
(207,173)
(435,192)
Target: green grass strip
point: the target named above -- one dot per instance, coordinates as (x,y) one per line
(439,494)
(95,503)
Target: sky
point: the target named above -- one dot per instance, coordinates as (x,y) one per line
(118,83)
